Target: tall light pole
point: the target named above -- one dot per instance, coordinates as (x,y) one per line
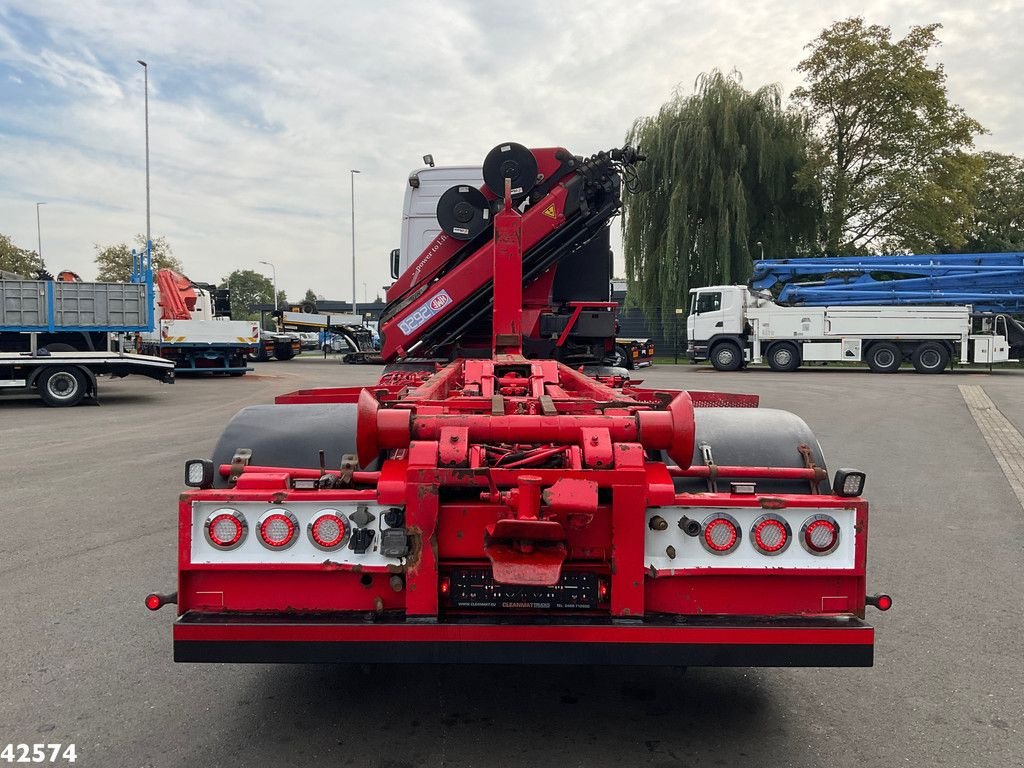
(145,76)
(39,237)
(352,178)
(273,271)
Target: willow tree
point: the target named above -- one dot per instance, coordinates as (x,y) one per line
(719,179)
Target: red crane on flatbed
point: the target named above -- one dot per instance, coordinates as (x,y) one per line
(512,510)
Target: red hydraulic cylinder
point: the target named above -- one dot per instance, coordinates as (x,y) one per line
(507,333)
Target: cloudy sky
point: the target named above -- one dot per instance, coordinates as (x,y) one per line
(259,109)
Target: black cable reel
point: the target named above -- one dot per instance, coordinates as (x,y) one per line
(510,161)
(463,212)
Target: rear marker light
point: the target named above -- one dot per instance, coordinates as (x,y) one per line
(881,602)
(277,529)
(720,534)
(328,530)
(155,601)
(770,534)
(819,535)
(225,528)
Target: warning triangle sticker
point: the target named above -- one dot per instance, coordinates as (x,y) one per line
(550,211)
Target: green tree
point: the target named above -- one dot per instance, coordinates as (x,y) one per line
(282,299)
(114,262)
(997,218)
(247,289)
(18,260)
(310,297)
(892,164)
(719,178)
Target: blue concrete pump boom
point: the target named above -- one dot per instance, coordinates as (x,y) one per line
(989,282)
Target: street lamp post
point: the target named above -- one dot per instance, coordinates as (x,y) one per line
(273,271)
(39,237)
(145,74)
(352,178)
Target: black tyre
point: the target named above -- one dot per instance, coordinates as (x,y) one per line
(752,437)
(783,356)
(284,353)
(930,357)
(59,347)
(885,357)
(289,436)
(726,356)
(61,387)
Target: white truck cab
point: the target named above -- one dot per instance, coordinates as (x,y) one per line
(730,325)
(419,217)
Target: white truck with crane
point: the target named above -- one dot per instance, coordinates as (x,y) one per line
(884,311)
(195,329)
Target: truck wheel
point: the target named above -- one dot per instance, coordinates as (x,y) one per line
(930,357)
(289,436)
(726,356)
(884,357)
(61,387)
(59,347)
(784,356)
(753,437)
(284,353)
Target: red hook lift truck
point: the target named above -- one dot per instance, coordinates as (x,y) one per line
(508,508)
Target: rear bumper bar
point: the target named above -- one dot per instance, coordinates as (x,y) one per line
(721,642)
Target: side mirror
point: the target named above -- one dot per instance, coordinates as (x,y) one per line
(394,262)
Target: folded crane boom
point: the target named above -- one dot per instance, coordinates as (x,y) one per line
(441,305)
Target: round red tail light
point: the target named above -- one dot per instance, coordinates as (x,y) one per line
(328,529)
(225,528)
(820,534)
(771,534)
(278,528)
(720,534)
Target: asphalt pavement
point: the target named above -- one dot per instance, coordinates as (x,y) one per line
(87,529)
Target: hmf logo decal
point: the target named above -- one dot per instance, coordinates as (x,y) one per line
(427,310)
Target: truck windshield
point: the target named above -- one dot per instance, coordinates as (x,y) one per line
(709,302)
